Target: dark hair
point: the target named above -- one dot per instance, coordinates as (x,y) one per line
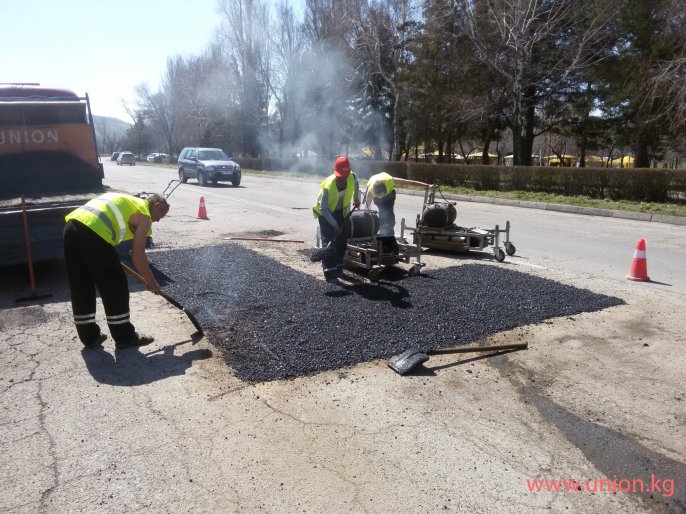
(155,199)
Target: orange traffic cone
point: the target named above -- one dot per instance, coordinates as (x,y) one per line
(202,212)
(639,266)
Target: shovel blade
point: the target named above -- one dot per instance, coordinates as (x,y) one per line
(195,322)
(319,254)
(407,361)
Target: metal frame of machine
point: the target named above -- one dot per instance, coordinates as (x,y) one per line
(373,255)
(457,239)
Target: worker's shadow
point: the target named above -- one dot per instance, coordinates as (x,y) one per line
(380,291)
(131,367)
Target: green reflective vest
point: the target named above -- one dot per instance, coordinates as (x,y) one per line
(382,177)
(108,216)
(330,185)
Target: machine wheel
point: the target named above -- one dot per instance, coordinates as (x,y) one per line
(374,274)
(499,254)
(510,249)
(236,181)
(182,177)
(201,179)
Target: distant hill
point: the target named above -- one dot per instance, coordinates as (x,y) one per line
(109,132)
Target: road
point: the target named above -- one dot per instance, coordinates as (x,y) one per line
(593,246)
(170,428)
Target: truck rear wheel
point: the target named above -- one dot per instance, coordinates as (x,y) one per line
(182,177)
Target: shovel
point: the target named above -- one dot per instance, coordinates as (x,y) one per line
(320,254)
(410,359)
(164,295)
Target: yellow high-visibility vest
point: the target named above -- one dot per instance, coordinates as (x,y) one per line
(384,178)
(330,185)
(108,216)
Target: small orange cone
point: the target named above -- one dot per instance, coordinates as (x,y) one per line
(639,266)
(202,212)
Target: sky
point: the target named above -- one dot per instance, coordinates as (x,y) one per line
(100,47)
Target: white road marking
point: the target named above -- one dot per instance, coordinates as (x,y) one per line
(527,264)
(248,202)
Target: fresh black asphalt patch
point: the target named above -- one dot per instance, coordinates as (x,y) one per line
(272,322)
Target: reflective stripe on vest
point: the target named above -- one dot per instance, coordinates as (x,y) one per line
(332,190)
(103,217)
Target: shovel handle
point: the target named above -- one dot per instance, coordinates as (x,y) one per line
(496,348)
(142,281)
(133,274)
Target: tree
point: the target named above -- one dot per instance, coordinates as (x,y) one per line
(539,47)
(330,123)
(246,48)
(160,109)
(380,53)
(667,85)
(636,80)
(285,80)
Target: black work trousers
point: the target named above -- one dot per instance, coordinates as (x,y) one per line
(92,262)
(333,262)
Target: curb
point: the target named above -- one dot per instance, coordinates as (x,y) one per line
(558,207)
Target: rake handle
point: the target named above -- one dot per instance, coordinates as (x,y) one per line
(517,346)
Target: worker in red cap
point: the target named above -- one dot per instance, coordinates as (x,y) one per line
(332,210)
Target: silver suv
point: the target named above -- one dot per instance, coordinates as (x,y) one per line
(126,158)
(208,166)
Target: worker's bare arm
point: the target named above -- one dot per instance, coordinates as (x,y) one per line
(406,182)
(140,225)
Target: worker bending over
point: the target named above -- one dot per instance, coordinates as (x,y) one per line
(381,189)
(90,237)
(332,210)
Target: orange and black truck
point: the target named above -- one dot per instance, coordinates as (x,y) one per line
(48,158)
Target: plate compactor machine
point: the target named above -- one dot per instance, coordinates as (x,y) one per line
(436,230)
(372,248)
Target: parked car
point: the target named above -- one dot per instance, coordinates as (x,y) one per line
(158,157)
(208,166)
(126,158)
(114,157)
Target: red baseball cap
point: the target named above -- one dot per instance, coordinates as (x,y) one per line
(342,167)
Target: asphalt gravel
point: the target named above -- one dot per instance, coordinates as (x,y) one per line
(273,322)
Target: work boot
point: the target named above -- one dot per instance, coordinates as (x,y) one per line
(332,280)
(331,275)
(137,341)
(97,342)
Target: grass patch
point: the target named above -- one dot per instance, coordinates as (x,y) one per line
(668,209)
